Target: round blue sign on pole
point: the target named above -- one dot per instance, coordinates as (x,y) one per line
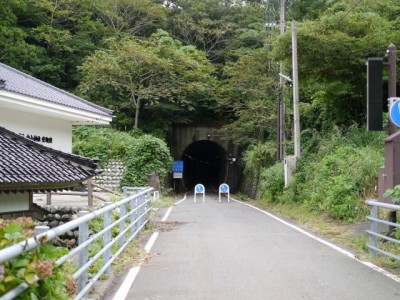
(199,188)
(394,112)
(224,188)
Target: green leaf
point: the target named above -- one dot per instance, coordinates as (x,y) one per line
(33,297)
(13,228)
(10,278)
(30,278)
(19,263)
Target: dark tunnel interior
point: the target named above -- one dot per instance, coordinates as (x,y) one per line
(205,163)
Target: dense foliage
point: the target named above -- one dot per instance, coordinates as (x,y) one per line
(337,173)
(142,154)
(39,262)
(147,155)
(156,63)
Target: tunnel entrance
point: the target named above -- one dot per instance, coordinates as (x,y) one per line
(205,162)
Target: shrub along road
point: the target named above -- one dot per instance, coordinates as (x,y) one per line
(232,251)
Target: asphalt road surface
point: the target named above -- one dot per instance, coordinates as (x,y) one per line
(232,251)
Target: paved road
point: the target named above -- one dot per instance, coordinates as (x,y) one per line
(232,251)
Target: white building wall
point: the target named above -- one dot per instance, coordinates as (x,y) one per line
(22,122)
(14,202)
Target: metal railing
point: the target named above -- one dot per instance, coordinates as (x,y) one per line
(131,220)
(373,232)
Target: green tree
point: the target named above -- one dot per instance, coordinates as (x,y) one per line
(137,18)
(332,54)
(249,94)
(14,49)
(143,73)
(213,26)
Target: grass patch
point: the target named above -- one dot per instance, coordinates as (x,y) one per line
(130,257)
(164,201)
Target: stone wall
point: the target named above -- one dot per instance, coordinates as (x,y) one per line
(59,215)
(111,176)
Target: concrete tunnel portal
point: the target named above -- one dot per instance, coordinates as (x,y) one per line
(205,162)
(209,157)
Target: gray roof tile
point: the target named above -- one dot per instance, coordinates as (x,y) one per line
(24,84)
(26,163)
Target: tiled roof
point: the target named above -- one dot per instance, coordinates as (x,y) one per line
(21,83)
(27,165)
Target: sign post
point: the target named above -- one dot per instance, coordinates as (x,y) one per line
(199,189)
(177,170)
(224,189)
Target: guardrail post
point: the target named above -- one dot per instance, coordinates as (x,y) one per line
(41,229)
(122,223)
(107,236)
(84,253)
(133,216)
(125,191)
(374,228)
(139,211)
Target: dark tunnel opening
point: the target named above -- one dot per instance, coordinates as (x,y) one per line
(205,163)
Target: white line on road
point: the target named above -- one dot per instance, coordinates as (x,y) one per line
(151,242)
(131,276)
(347,253)
(126,285)
(166,214)
(179,202)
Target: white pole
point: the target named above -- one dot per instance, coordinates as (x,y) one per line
(296,114)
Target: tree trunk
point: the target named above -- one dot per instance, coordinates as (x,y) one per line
(137,113)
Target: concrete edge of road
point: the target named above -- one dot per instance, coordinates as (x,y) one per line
(129,279)
(335,247)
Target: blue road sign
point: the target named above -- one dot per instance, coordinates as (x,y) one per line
(394,112)
(223,188)
(177,167)
(199,188)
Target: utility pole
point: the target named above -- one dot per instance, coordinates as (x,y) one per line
(392,81)
(281,91)
(392,84)
(296,113)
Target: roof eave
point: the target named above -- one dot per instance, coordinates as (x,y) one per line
(34,105)
(41,185)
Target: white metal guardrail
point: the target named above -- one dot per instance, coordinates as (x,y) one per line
(131,220)
(373,232)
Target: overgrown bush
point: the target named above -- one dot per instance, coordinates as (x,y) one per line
(142,154)
(336,173)
(272,182)
(255,158)
(38,262)
(147,155)
(102,142)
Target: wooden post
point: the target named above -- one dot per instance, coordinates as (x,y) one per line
(48,198)
(90,192)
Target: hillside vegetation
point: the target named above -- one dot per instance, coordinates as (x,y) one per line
(156,63)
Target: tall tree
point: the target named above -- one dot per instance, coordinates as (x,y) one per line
(139,17)
(249,94)
(332,54)
(138,73)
